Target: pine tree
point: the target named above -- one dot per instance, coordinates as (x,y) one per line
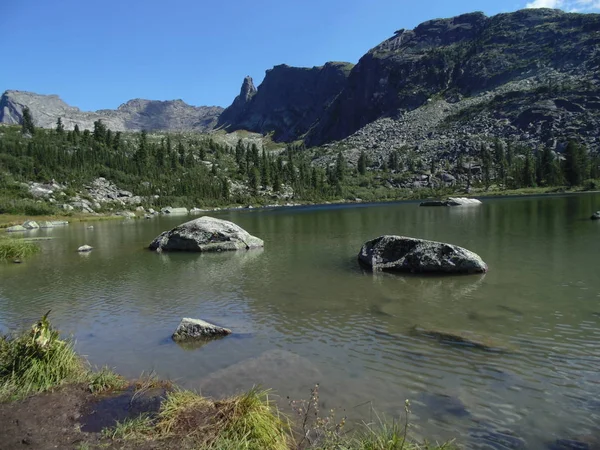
(181,153)
(528,177)
(60,128)
(276,181)
(574,164)
(340,167)
(27,122)
(486,166)
(141,156)
(225,193)
(362,163)
(265,172)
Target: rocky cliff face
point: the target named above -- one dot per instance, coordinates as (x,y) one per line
(288,102)
(134,115)
(465,57)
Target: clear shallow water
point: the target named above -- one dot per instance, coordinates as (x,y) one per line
(304,313)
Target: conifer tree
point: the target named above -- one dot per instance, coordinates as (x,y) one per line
(27,122)
(60,128)
(362,163)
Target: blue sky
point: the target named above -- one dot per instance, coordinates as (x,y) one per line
(100,54)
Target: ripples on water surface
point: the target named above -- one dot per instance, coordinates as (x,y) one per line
(304,312)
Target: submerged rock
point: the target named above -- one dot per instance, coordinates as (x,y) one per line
(461,338)
(85,248)
(452,201)
(596,216)
(405,254)
(434,203)
(198,329)
(206,234)
(16,228)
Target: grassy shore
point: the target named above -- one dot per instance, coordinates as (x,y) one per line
(37,365)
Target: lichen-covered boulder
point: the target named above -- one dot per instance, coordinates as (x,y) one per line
(206,234)
(198,329)
(405,254)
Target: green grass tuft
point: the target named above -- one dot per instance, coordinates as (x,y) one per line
(131,429)
(37,361)
(253,422)
(11,248)
(106,380)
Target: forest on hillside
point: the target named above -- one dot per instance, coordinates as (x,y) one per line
(197,169)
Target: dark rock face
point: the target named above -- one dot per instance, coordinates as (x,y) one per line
(288,102)
(461,56)
(405,254)
(234,113)
(134,115)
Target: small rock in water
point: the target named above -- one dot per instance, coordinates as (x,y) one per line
(85,248)
(17,261)
(91,227)
(198,329)
(596,216)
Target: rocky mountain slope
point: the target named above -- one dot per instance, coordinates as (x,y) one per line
(288,102)
(532,75)
(134,115)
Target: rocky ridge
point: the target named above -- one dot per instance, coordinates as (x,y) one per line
(135,114)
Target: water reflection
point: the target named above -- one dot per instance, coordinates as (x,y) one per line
(303,312)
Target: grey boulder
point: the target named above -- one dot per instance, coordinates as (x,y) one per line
(31,225)
(85,248)
(206,234)
(596,216)
(405,254)
(198,329)
(16,228)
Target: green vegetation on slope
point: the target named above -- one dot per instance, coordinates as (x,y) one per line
(188,169)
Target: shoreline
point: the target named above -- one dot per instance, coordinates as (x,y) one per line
(51,398)
(8,220)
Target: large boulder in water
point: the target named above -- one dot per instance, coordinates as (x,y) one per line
(405,254)
(206,234)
